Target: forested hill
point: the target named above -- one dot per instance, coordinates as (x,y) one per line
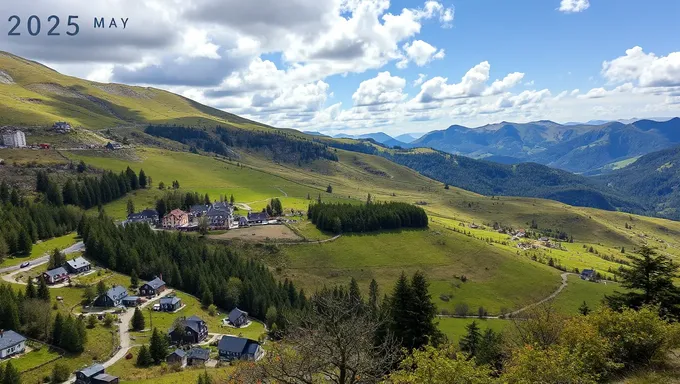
(525,179)
(654,178)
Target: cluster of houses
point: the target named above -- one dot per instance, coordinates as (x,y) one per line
(71,267)
(61,127)
(218,215)
(118,296)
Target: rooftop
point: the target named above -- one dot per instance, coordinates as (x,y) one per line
(10,338)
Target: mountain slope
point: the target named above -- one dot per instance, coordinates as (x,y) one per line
(32,94)
(581,148)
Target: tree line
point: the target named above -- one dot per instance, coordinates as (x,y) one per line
(215,274)
(87,192)
(345,218)
(179,200)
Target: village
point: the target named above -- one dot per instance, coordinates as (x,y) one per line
(13,137)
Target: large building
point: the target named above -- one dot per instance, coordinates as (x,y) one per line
(14,139)
(11,343)
(176,218)
(238,348)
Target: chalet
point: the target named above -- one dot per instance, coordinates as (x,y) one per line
(198,210)
(589,275)
(219,218)
(223,205)
(55,275)
(61,127)
(152,288)
(170,304)
(148,216)
(131,301)
(11,343)
(112,145)
(238,318)
(192,330)
(239,348)
(95,374)
(176,218)
(112,298)
(242,221)
(78,265)
(178,357)
(198,356)
(258,218)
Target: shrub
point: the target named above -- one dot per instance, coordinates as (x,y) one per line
(556,364)
(461,309)
(60,373)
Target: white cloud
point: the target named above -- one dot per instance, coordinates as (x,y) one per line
(500,86)
(597,93)
(575,92)
(421,78)
(382,89)
(647,69)
(420,53)
(573,6)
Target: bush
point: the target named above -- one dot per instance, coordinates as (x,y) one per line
(555,364)
(461,309)
(60,373)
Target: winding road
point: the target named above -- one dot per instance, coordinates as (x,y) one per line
(77,247)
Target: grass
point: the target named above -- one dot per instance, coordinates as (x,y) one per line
(41,248)
(577,291)
(454,328)
(34,358)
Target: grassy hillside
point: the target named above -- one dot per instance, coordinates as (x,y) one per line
(35,95)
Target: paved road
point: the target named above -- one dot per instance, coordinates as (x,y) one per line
(79,246)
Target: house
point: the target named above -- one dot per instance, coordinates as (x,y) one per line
(238,318)
(198,210)
(543,239)
(192,330)
(178,357)
(170,304)
(112,298)
(55,275)
(223,205)
(14,139)
(78,265)
(198,356)
(132,301)
(149,216)
(95,374)
(589,275)
(11,343)
(61,127)
(176,218)
(219,218)
(521,233)
(152,288)
(242,221)
(239,348)
(112,145)
(258,218)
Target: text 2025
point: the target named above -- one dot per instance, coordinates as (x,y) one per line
(34,26)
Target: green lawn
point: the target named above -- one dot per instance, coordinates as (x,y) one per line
(578,291)
(40,248)
(34,358)
(454,328)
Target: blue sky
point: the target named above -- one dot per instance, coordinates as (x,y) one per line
(351,65)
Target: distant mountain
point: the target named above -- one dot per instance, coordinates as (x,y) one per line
(581,148)
(406,138)
(653,178)
(314,133)
(380,137)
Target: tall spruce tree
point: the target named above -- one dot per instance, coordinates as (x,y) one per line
(43,290)
(158,347)
(11,375)
(402,297)
(57,329)
(470,342)
(142,179)
(373,294)
(30,290)
(423,313)
(144,357)
(138,320)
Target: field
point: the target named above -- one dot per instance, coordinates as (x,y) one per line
(578,291)
(41,248)
(36,357)
(259,233)
(454,328)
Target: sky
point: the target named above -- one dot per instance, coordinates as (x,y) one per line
(359,66)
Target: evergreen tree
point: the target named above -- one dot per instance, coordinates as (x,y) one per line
(373,296)
(470,342)
(355,293)
(82,167)
(144,357)
(158,347)
(206,298)
(204,378)
(60,373)
(70,193)
(142,179)
(57,329)
(4,192)
(101,288)
(132,178)
(490,350)
(649,280)
(584,309)
(231,199)
(89,295)
(15,197)
(138,320)
(43,291)
(400,311)
(41,181)
(11,375)
(134,279)
(53,194)
(9,308)
(130,207)
(57,259)
(30,290)
(25,243)
(423,313)
(71,339)
(329,189)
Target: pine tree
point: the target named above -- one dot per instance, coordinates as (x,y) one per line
(134,279)
(355,293)
(584,309)
(158,347)
(142,179)
(15,197)
(71,339)
(130,207)
(206,298)
(25,243)
(400,311)
(11,375)
(138,320)
(144,357)
(423,313)
(231,199)
(490,350)
(373,296)
(329,189)
(57,259)
(4,192)
(57,329)
(53,194)
(101,288)
(70,193)
(30,290)
(43,291)
(470,342)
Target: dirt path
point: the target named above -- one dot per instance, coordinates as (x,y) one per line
(564,277)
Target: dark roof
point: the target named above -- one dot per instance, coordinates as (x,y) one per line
(143,215)
(199,353)
(218,212)
(92,370)
(156,283)
(56,271)
(78,263)
(251,348)
(116,292)
(233,344)
(199,208)
(588,272)
(178,352)
(170,300)
(10,339)
(195,318)
(105,377)
(220,205)
(131,298)
(235,314)
(193,322)
(258,216)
